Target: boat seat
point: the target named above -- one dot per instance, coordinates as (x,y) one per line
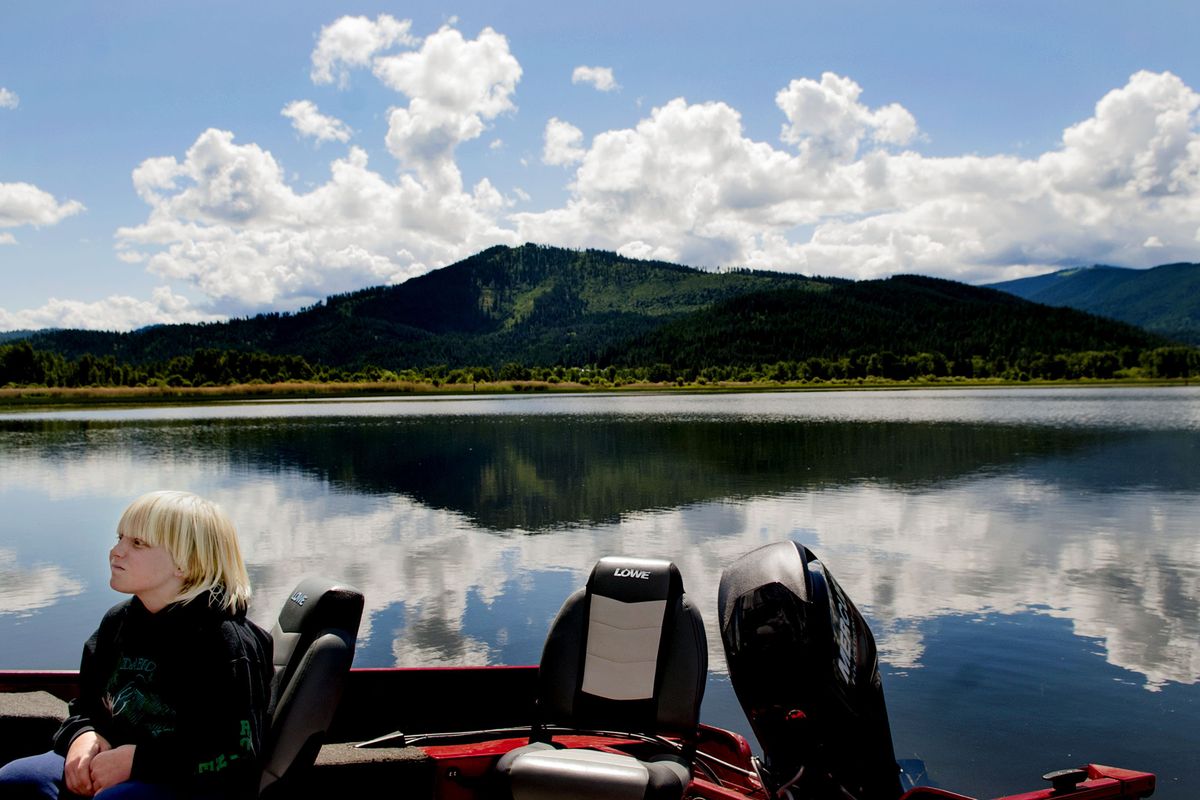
(28,720)
(628,654)
(313,648)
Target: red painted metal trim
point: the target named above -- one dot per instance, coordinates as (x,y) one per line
(701,788)
(930,793)
(1103,782)
(62,683)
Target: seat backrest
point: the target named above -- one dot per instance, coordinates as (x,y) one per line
(314,647)
(626,653)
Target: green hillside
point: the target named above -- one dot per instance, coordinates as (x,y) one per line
(904,315)
(12,336)
(530,311)
(530,304)
(1164,299)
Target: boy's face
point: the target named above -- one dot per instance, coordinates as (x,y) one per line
(144,570)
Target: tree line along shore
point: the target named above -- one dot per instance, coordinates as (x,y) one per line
(28,375)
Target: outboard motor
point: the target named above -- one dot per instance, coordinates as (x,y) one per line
(803,664)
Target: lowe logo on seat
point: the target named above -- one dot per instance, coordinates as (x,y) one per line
(626,572)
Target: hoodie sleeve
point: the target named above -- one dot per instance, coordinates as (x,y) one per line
(87,712)
(218,738)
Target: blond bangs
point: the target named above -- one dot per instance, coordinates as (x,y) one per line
(200,539)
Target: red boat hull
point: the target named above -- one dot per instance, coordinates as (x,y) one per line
(481,702)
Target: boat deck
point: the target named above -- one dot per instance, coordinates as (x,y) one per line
(443,729)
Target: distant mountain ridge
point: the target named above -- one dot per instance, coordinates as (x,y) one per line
(544,306)
(532,304)
(12,336)
(905,314)
(1164,299)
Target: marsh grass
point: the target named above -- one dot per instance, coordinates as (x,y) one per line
(25,397)
(90,395)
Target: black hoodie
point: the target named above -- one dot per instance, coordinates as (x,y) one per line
(189,686)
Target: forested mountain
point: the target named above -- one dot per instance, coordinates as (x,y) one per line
(541,312)
(12,336)
(530,304)
(1164,299)
(903,315)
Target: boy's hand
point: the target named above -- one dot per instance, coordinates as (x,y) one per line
(112,767)
(77,774)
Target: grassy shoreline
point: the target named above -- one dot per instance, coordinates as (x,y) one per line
(12,398)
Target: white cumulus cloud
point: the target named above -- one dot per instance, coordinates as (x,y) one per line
(686,183)
(826,119)
(25,204)
(1142,141)
(114,313)
(310,122)
(225,222)
(455,86)
(599,77)
(561,143)
(354,42)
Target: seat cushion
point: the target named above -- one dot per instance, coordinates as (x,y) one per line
(28,721)
(545,774)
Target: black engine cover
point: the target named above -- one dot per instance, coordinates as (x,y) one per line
(803,664)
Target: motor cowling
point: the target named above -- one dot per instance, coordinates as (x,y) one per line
(803,664)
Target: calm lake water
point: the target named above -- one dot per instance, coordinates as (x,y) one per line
(1028,559)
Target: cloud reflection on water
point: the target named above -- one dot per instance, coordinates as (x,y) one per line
(455,527)
(1121,566)
(24,589)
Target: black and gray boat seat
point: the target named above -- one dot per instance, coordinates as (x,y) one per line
(627,653)
(314,646)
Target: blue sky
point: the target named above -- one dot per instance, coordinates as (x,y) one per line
(181,161)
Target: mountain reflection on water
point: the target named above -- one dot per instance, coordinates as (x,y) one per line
(466,530)
(543,473)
